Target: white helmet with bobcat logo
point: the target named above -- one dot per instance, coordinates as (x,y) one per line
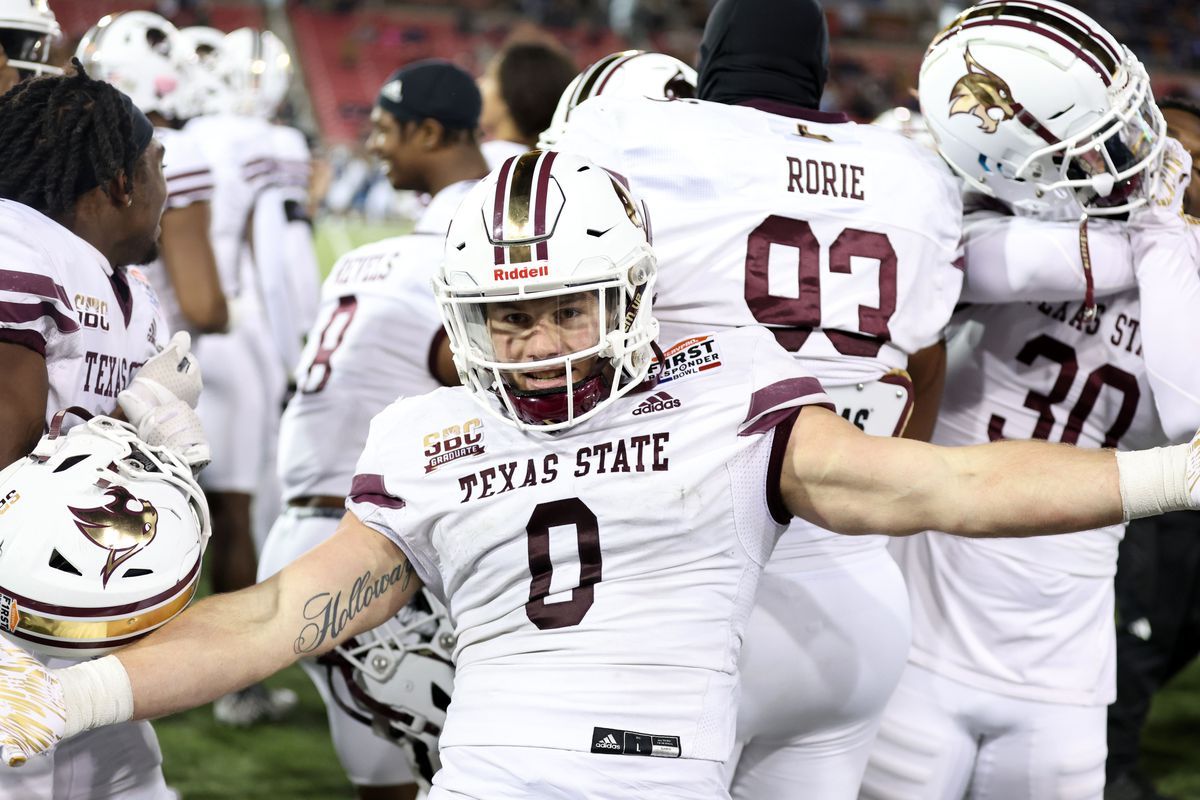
(631,73)
(101,539)
(142,54)
(398,679)
(1035,104)
(27,33)
(560,233)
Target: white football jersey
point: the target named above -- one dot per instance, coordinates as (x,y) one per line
(1015,615)
(1009,258)
(497,151)
(284,262)
(842,238)
(59,296)
(238,150)
(189,180)
(371,343)
(600,578)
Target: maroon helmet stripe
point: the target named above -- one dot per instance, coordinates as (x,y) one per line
(541,202)
(498,208)
(613,70)
(591,75)
(1051,16)
(1083,55)
(110,611)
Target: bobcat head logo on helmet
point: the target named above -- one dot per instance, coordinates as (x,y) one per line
(983,94)
(124,526)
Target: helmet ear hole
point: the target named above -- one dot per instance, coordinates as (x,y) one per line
(59,562)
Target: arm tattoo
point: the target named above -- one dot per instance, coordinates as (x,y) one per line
(328,615)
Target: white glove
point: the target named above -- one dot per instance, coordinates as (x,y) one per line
(172,374)
(175,426)
(1170,181)
(33,713)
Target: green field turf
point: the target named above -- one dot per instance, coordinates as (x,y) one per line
(294,759)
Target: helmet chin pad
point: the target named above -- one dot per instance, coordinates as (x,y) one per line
(549,406)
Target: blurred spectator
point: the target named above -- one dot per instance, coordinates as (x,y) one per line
(521,88)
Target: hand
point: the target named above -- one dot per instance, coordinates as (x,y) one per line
(172,374)
(33,714)
(1169,184)
(175,426)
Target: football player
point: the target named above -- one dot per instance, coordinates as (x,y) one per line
(520,87)
(27,34)
(142,54)
(842,239)
(599,559)
(1012,660)
(378,336)
(245,377)
(1157,633)
(80,327)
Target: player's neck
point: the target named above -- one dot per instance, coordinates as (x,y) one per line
(462,163)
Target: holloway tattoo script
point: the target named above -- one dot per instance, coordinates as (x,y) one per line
(329,615)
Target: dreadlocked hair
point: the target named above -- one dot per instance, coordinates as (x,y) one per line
(56,133)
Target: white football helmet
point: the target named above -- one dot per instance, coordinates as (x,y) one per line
(101,540)
(142,54)
(258,70)
(909,124)
(1035,104)
(27,32)
(398,678)
(547,281)
(208,92)
(631,73)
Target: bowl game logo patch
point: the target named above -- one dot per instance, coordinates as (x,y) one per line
(9,614)
(689,357)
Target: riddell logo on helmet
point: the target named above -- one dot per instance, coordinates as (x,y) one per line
(517,273)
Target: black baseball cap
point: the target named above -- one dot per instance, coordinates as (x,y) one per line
(432,89)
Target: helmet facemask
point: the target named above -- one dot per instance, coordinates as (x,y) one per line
(1109,165)
(553,356)
(546,290)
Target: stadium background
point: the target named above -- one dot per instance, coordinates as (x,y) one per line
(343,50)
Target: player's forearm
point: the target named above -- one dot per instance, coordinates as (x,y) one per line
(852,483)
(220,644)
(1169,292)
(1011,259)
(1023,489)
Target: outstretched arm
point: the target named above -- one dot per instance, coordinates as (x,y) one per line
(353,582)
(843,480)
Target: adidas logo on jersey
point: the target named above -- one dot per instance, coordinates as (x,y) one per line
(608,743)
(658,402)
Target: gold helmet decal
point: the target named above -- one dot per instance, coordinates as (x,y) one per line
(983,94)
(123,527)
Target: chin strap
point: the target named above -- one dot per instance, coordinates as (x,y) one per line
(1089,292)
